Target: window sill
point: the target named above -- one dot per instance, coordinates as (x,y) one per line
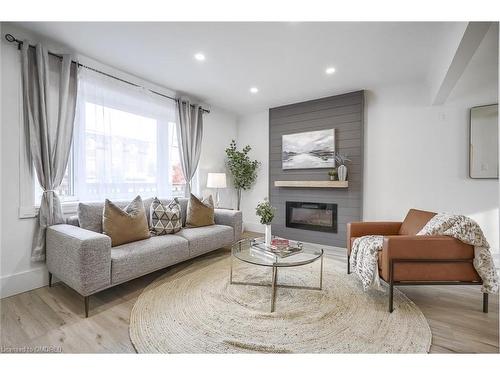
(27,212)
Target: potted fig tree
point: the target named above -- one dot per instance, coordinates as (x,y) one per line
(243,170)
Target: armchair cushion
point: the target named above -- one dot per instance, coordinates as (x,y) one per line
(414,221)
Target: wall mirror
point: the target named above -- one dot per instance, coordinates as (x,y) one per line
(483,148)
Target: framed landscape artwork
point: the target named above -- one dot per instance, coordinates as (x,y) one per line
(306,150)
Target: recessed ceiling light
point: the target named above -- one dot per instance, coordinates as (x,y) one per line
(254,90)
(199,56)
(330,70)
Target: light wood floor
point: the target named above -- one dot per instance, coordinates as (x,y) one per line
(52,318)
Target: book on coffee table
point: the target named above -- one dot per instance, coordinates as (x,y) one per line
(279,246)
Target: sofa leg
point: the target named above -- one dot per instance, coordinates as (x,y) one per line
(348,264)
(485,302)
(50,280)
(86,302)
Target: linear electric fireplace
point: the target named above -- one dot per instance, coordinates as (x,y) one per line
(320,217)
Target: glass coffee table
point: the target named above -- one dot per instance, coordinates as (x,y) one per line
(255,252)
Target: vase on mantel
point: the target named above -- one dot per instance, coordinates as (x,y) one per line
(267,235)
(342,172)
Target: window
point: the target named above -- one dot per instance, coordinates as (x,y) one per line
(124,144)
(65,191)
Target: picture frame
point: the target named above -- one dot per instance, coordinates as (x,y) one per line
(309,150)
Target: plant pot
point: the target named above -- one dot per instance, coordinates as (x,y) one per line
(342,172)
(332,178)
(268,235)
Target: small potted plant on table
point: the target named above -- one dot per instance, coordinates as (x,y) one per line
(266,213)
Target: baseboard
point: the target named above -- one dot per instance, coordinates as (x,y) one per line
(253,227)
(23,281)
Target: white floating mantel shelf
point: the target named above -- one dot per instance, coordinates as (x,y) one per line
(312,184)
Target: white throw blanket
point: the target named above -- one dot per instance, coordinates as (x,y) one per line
(364,252)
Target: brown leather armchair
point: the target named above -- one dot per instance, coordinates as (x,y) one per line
(408,259)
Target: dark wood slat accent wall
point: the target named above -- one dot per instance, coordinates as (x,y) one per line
(345,114)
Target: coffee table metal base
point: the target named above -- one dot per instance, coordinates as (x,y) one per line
(274,282)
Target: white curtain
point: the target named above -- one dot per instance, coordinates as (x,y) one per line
(125,141)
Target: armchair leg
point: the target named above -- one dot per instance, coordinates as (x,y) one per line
(50,280)
(86,302)
(348,264)
(485,302)
(391,297)
(391,286)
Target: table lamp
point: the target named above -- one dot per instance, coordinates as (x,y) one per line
(216,181)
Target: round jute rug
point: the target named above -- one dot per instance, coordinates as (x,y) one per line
(193,309)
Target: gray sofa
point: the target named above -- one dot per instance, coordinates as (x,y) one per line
(84,259)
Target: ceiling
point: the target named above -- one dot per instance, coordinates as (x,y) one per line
(285,61)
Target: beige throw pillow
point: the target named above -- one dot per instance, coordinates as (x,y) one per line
(200,213)
(127,225)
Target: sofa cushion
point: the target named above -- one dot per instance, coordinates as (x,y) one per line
(204,239)
(90,214)
(142,257)
(73,220)
(414,221)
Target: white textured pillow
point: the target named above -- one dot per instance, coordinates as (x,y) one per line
(165,218)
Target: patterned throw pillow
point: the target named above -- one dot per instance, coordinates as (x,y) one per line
(165,218)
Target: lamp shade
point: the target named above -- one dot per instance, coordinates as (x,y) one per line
(216,180)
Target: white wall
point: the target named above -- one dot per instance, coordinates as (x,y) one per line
(253,130)
(416,156)
(17,272)
(219,128)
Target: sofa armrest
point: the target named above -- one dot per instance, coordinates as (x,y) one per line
(232,218)
(79,257)
(423,247)
(359,229)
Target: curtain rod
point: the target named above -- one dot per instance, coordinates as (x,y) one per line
(11,39)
